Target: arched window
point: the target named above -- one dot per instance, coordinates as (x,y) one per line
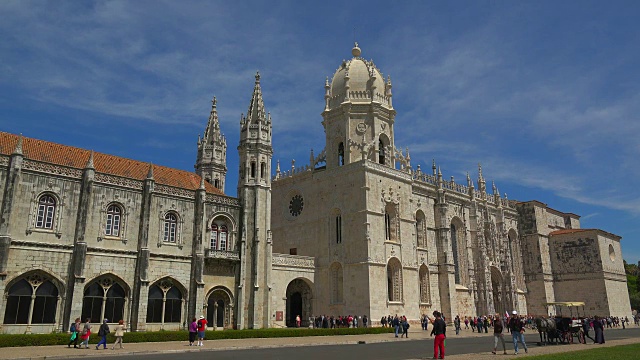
(170,227)
(112,227)
(341,154)
(21,304)
(425,290)
(454,250)
(421,238)
(216,183)
(223,237)
(387,226)
(46,212)
(104,299)
(253,169)
(214,237)
(219,239)
(337,284)
(339,229)
(394,280)
(381,152)
(164,304)
(263,170)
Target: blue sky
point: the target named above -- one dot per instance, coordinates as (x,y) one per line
(545,94)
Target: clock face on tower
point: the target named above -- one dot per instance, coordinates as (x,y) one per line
(295,205)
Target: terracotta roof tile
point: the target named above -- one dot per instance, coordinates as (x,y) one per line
(568,231)
(45,151)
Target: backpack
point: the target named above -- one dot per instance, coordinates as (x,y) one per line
(73,328)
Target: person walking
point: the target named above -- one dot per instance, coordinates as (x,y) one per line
(119,334)
(103,331)
(456,323)
(405,327)
(586,326)
(517,332)
(396,324)
(74,329)
(498,335)
(193,331)
(598,327)
(85,334)
(297,320)
(202,326)
(440,331)
(364,320)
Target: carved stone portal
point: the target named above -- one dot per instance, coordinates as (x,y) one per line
(299,297)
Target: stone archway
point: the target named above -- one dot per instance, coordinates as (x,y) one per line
(499,290)
(220,309)
(299,297)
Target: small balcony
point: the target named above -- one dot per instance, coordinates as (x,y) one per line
(222,255)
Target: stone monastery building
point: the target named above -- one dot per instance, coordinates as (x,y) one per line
(357,231)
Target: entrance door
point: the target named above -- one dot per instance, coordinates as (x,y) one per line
(296,308)
(220,314)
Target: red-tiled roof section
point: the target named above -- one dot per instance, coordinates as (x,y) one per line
(568,231)
(45,151)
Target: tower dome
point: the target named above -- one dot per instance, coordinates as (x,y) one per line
(358,80)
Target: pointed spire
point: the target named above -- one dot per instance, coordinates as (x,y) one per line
(493,187)
(311,160)
(469,183)
(256,112)
(480,172)
(278,169)
(18,149)
(90,162)
(212,132)
(433,167)
(150,173)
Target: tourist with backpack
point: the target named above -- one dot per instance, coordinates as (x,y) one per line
(202,326)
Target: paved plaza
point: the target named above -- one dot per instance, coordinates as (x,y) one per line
(419,345)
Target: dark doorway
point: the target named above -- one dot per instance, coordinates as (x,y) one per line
(220,314)
(296,308)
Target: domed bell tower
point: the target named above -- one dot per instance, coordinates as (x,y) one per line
(211,163)
(254,192)
(358,116)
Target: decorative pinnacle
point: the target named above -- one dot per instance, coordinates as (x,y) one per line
(356,50)
(90,162)
(257,77)
(150,173)
(214,102)
(326,82)
(18,149)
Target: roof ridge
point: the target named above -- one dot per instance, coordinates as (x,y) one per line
(76,157)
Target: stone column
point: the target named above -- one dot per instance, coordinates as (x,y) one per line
(196,287)
(76,276)
(141,278)
(8,197)
(446,269)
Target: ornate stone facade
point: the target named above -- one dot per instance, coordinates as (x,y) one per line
(356,231)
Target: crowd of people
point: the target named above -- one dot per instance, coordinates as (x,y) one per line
(514,324)
(82,332)
(341,321)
